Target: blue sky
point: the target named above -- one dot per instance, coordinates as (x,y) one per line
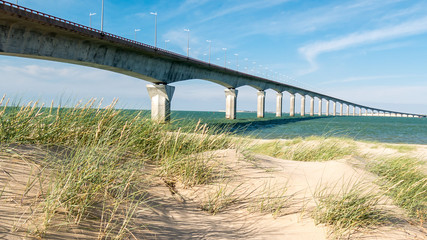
(372,52)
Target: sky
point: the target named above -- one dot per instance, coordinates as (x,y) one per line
(372,52)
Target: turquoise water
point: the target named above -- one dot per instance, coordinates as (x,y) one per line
(381,129)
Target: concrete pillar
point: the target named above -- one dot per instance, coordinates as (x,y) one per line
(341,109)
(348,110)
(279,102)
(230,103)
(302,105)
(327,107)
(261,104)
(161,97)
(335,108)
(312,106)
(292,105)
(360,111)
(354,110)
(320,106)
(366,112)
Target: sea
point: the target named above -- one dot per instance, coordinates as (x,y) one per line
(367,128)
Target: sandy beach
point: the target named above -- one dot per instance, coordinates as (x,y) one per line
(175,211)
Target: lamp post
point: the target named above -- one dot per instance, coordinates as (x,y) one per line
(155,27)
(90,18)
(102,17)
(188,41)
(225,57)
(210,44)
(237,61)
(166,41)
(136,30)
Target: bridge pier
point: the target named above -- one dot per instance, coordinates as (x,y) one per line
(279,102)
(341,109)
(348,110)
(260,104)
(312,106)
(302,105)
(161,97)
(230,103)
(327,107)
(320,106)
(335,108)
(292,105)
(354,110)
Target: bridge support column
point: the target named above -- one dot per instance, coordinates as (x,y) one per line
(348,110)
(327,107)
(230,103)
(320,107)
(354,111)
(335,108)
(341,109)
(161,97)
(279,102)
(360,111)
(261,104)
(312,106)
(292,105)
(302,105)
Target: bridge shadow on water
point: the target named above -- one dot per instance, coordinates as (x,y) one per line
(249,124)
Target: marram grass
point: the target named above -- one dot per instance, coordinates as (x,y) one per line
(313,149)
(97,169)
(349,209)
(405,182)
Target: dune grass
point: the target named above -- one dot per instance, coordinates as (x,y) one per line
(96,159)
(401,148)
(311,149)
(223,196)
(348,209)
(404,182)
(272,199)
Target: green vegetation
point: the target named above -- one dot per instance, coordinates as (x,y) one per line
(272,199)
(312,149)
(401,148)
(220,198)
(347,210)
(404,182)
(95,160)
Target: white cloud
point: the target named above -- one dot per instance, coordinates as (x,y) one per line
(311,51)
(255,5)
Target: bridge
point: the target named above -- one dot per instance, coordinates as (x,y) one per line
(32,34)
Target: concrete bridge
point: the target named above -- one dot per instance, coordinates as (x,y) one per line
(32,34)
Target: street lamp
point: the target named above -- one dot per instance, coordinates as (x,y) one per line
(237,61)
(210,44)
(225,57)
(188,41)
(102,17)
(136,30)
(90,18)
(155,27)
(166,41)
